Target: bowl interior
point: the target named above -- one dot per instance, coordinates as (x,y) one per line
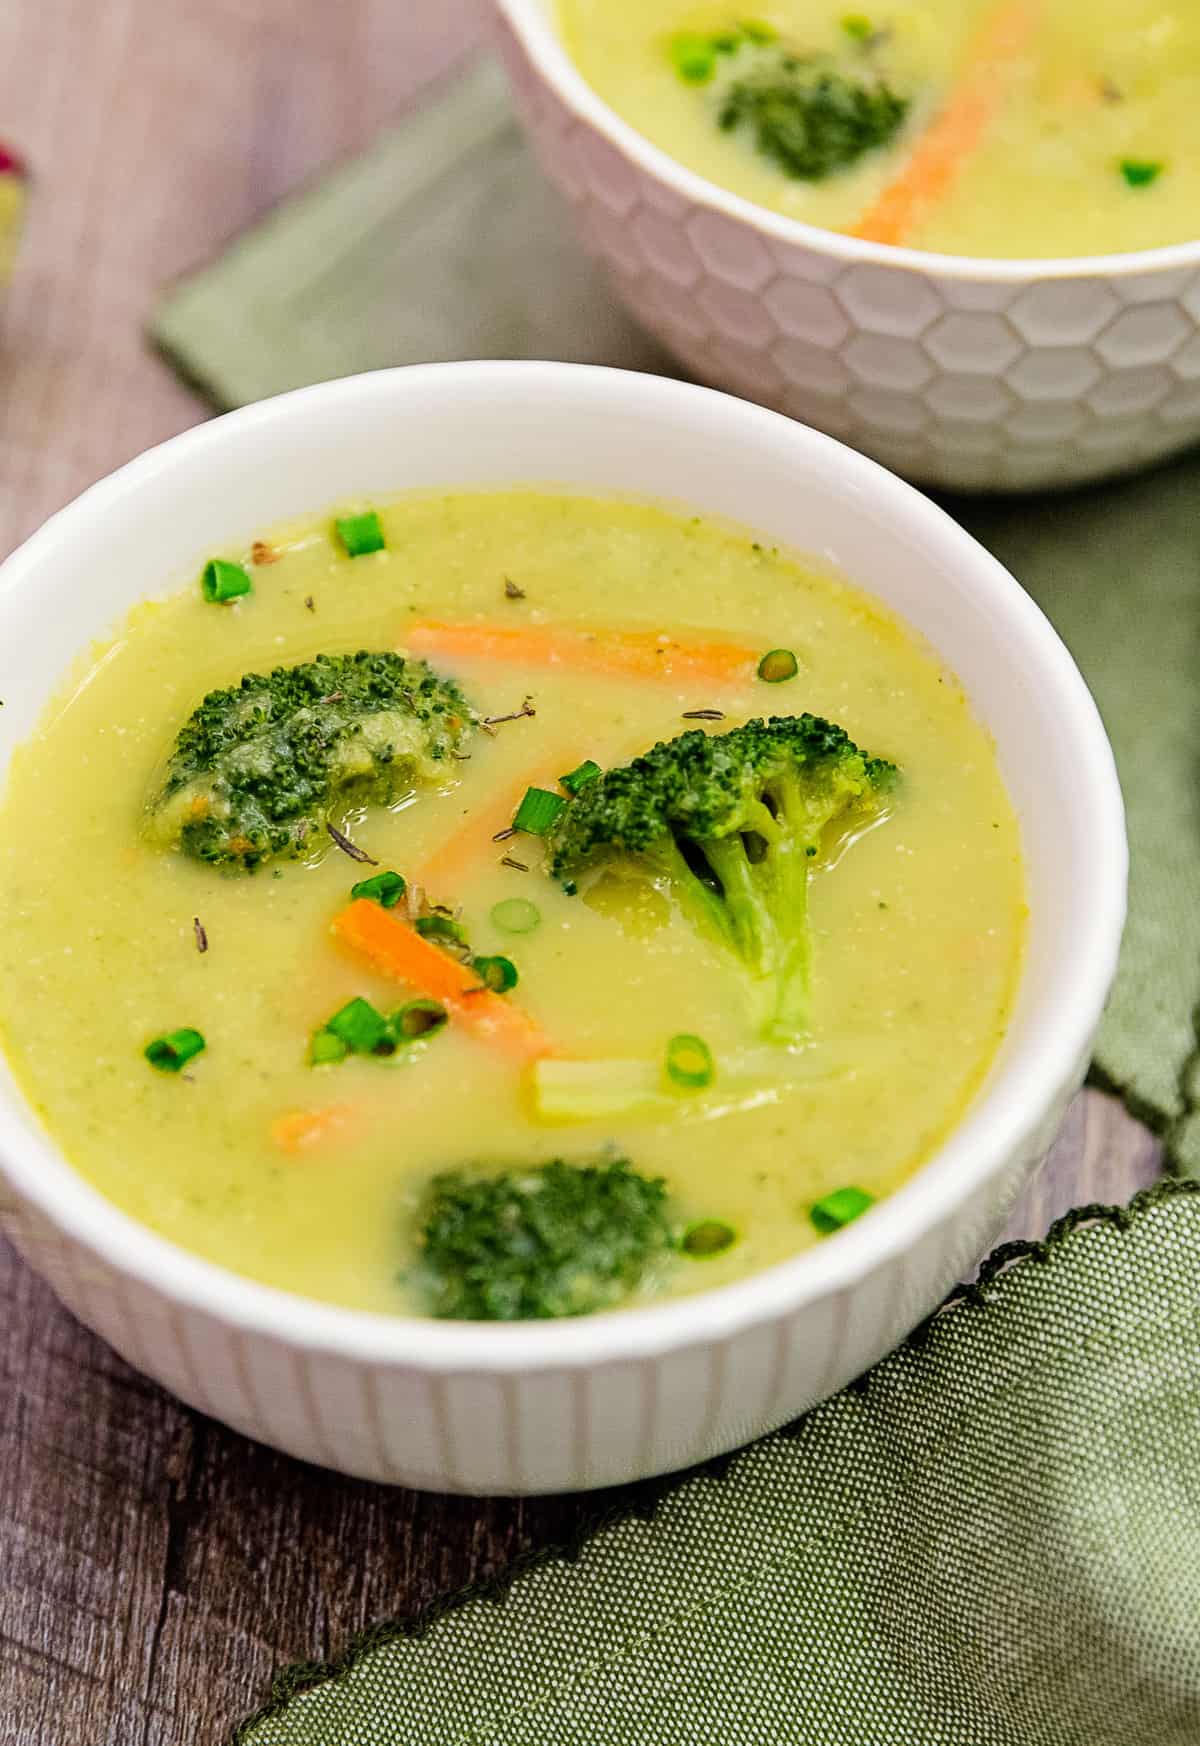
(149,527)
(537,24)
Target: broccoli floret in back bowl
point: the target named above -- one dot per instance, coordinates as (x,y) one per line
(260,768)
(810,118)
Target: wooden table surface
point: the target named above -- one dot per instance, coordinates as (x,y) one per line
(155,1569)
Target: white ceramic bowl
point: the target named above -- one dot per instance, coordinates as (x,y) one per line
(546,1406)
(970,374)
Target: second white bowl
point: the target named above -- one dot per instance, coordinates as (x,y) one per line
(971,374)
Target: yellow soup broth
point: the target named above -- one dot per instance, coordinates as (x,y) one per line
(1031,128)
(917,918)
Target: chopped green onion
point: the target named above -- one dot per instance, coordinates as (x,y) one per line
(221,580)
(419,1018)
(175,1050)
(726,42)
(708,1238)
(840,1208)
(757,30)
(858,26)
(362,1028)
(326,1048)
(538,810)
(441,927)
(384,888)
(516,915)
(690,1063)
(694,57)
(498,974)
(1140,172)
(360,534)
(778,665)
(579,778)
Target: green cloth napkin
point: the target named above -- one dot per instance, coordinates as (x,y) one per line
(994,1540)
(444,242)
(1117,570)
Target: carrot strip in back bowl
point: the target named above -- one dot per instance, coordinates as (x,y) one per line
(955,133)
(628,654)
(391,946)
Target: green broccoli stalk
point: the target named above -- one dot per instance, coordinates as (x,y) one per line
(564,1091)
(811,114)
(559,1240)
(261,768)
(730,824)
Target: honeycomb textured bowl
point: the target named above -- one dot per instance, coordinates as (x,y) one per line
(960,373)
(602,1399)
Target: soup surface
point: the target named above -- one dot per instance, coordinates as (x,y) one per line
(975,127)
(311,1177)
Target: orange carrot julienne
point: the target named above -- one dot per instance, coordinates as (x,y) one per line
(391,946)
(941,152)
(1080,91)
(617,653)
(307,1127)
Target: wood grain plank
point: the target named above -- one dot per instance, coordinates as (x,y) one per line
(157,129)
(1102,1156)
(154,1568)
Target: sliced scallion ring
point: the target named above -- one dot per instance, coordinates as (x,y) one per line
(361,1026)
(220,580)
(419,1018)
(385,889)
(327,1048)
(498,974)
(516,915)
(842,1207)
(173,1051)
(707,1238)
(538,810)
(777,665)
(689,1063)
(579,778)
(360,534)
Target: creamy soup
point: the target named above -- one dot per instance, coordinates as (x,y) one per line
(206,1019)
(976,127)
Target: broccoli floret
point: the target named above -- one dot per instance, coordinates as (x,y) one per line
(262,767)
(805,113)
(559,1240)
(730,824)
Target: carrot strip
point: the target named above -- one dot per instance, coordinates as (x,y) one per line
(619,654)
(303,1128)
(391,946)
(939,155)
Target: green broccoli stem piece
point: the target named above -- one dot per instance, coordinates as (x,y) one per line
(607,1090)
(768,903)
(559,1240)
